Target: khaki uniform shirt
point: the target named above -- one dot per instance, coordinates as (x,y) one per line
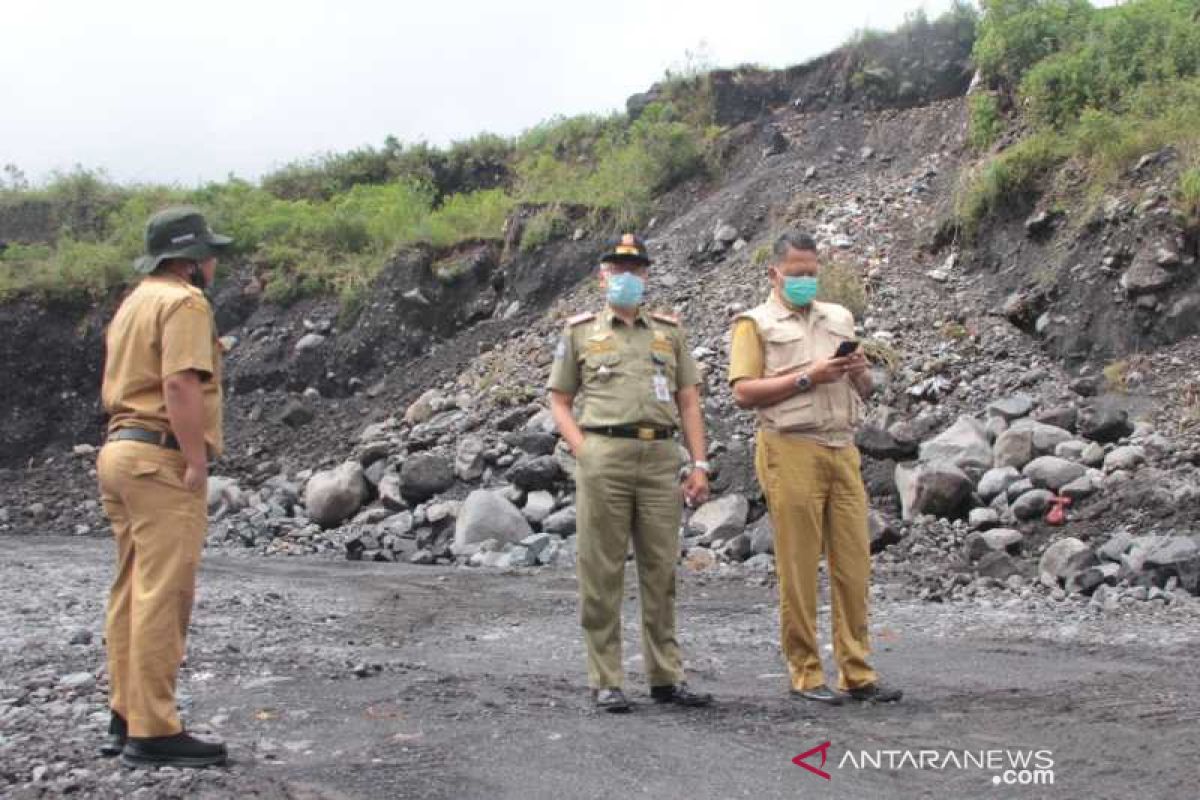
(772,339)
(164,326)
(624,374)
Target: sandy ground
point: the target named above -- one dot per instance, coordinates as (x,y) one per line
(474,688)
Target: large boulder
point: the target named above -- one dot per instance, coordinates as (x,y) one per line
(1025,441)
(333,496)
(534,473)
(722,518)
(1051,472)
(940,489)
(996,481)
(1063,560)
(1031,505)
(1104,421)
(1011,408)
(964,444)
(425,475)
(468,458)
(562,522)
(486,515)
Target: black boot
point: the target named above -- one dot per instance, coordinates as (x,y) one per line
(114,740)
(180,750)
(680,695)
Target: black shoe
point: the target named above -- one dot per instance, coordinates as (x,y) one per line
(876,693)
(114,740)
(819,694)
(180,750)
(612,700)
(680,695)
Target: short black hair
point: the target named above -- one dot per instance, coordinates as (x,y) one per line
(793,240)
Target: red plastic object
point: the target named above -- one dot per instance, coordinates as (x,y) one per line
(1057,515)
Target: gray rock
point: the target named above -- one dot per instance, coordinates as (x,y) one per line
(397,524)
(1011,408)
(739,548)
(1115,547)
(761,563)
(533,473)
(762,536)
(1088,580)
(1126,458)
(296,414)
(725,234)
(1104,422)
(881,531)
(425,475)
(487,515)
(561,522)
(224,492)
(1018,488)
(722,518)
(1063,560)
(538,506)
(1092,455)
(996,482)
(1079,488)
(310,341)
(997,564)
(1047,438)
(1064,417)
(333,496)
(1032,505)
(79,681)
(1072,450)
(80,636)
(1013,448)
(535,443)
(980,543)
(981,519)
(1145,276)
(389,491)
(537,544)
(1051,472)
(1171,551)
(939,488)
(468,458)
(964,444)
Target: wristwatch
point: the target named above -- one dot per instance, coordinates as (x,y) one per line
(702,465)
(804,383)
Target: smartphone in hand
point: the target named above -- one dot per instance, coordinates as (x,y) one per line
(846,348)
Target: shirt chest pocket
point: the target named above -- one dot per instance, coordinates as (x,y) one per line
(601,365)
(785,349)
(839,333)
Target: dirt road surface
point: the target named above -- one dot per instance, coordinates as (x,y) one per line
(332,679)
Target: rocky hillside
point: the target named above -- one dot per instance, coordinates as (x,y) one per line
(1048,357)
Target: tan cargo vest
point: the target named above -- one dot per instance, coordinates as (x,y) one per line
(828,413)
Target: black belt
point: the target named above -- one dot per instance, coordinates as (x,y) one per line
(142,435)
(646,434)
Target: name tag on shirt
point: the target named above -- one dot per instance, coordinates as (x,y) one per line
(662,389)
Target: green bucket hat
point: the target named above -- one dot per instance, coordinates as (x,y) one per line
(179,232)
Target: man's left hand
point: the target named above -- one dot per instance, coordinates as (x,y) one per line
(858,364)
(695,488)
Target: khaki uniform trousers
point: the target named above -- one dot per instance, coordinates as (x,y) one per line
(159,530)
(628,488)
(817,501)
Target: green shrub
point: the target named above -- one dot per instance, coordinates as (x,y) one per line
(842,283)
(1009,179)
(1189,195)
(545,226)
(986,122)
(1016,34)
(462,217)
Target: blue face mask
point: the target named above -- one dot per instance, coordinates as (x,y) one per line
(800,290)
(625,290)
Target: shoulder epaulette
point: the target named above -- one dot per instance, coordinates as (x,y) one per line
(662,316)
(579,319)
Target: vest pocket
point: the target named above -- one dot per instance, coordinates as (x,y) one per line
(797,413)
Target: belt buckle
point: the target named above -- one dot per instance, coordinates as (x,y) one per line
(646,434)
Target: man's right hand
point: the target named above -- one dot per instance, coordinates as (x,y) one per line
(195,477)
(829,370)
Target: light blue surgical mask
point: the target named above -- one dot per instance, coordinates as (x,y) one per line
(800,290)
(625,290)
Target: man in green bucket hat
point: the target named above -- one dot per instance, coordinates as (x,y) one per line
(162,391)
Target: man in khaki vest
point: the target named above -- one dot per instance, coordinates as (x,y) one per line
(637,381)
(809,402)
(162,390)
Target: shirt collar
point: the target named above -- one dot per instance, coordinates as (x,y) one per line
(610,317)
(780,311)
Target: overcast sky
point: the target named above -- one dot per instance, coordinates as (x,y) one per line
(153,90)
